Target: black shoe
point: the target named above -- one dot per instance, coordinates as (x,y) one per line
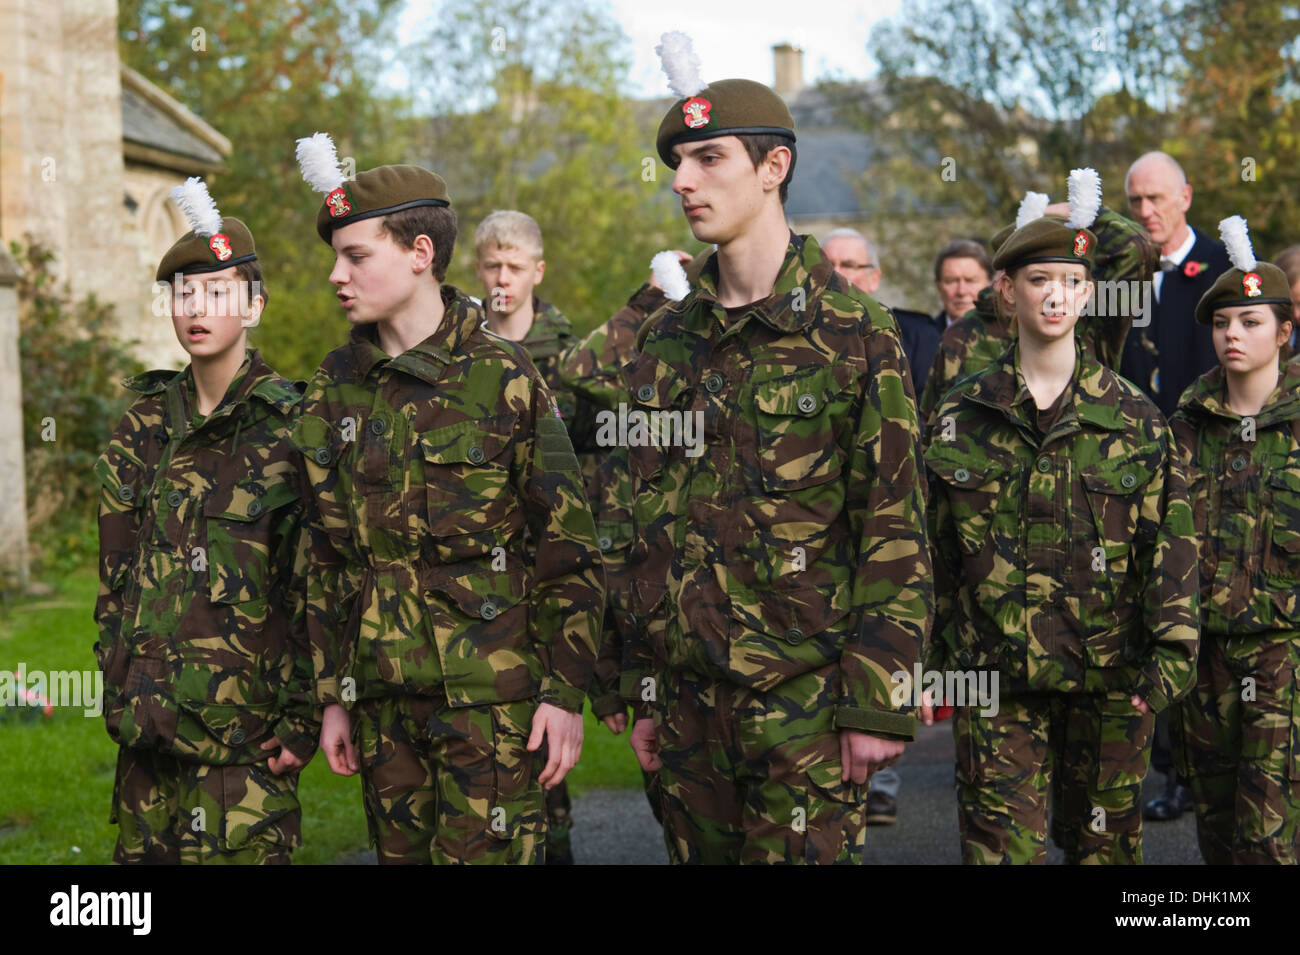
(881,810)
(1170,805)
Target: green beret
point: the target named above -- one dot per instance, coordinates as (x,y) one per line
(193,253)
(1046,239)
(1003,234)
(379,192)
(724,108)
(1264,284)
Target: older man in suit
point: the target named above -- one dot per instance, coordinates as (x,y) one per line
(1171,352)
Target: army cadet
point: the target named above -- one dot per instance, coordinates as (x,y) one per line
(779,569)
(202,640)
(1125,257)
(455,585)
(1236,736)
(1063,564)
(510,265)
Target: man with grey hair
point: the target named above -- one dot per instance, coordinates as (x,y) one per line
(1171,352)
(855,257)
(1167,355)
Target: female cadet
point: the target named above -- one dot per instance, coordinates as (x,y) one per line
(1063,568)
(1238,430)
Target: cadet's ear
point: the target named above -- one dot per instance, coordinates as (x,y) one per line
(1007,288)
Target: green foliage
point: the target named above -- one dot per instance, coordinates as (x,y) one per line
(72,366)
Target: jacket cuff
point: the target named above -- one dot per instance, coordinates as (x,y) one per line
(298,736)
(327,692)
(607,704)
(558,693)
(1150,692)
(886,723)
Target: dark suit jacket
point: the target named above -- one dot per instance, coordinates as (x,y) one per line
(920,344)
(1174,350)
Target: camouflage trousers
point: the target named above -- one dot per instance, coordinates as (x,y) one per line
(450,785)
(1236,741)
(754,777)
(559,825)
(1091,751)
(171,811)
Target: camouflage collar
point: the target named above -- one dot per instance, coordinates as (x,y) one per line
(460,317)
(1209,395)
(1093,392)
(787,309)
(547,333)
(255,379)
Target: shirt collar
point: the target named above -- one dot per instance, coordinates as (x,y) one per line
(1184,250)
(804,268)
(460,317)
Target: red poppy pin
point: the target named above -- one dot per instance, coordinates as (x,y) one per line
(338,203)
(696,111)
(220,246)
(1080,244)
(1193,269)
(1250,282)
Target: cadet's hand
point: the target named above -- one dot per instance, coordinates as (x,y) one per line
(1141,704)
(861,754)
(562,731)
(285,762)
(616,723)
(336,740)
(683,257)
(645,745)
(930,698)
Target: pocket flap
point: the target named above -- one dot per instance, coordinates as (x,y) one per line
(654,383)
(471,442)
(790,615)
(484,594)
(1126,475)
(804,396)
(251,498)
(121,478)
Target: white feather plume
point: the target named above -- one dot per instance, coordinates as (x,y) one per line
(319,162)
(1085,198)
(195,201)
(1236,238)
(670,275)
(1033,206)
(680,63)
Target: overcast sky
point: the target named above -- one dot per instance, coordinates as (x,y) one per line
(734,38)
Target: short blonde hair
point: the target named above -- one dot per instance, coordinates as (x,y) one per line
(509,229)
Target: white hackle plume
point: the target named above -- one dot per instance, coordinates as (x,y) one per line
(1085,198)
(201,212)
(1033,206)
(319,162)
(680,64)
(1236,239)
(670,275)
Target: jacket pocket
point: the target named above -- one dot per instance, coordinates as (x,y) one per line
(796,429)
(240,521)
(1283,562)
(468,492)
(148,715)
(778,634)
(974,491)
(480,625)
(222,733)
(656,391)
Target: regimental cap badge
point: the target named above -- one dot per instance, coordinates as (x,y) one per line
(1251,283)
(220,246)
(1081,243)
(338,203)
(696,112)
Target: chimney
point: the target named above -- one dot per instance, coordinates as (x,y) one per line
(787,63)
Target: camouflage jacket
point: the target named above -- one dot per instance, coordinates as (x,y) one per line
(593,370)
(202,636)
(796,538)
(1244,479)
(451,545)
(1125,254)
(1066,561)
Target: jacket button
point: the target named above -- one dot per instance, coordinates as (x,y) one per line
(605,543)
(714,383)
(1238,463)
(254,507)
(961,475)
(175,499)
(807,404)
(125,492)
(794,636)
(1044,464)
(1129,480)
(645,393)
(322,456)
(488,610)
(377,426)
(236,737)
(475,455)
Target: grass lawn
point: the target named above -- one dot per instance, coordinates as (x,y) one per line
(56,774)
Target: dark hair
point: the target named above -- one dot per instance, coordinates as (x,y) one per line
(250,273)
(758,145)
(1288,260)
(1283,313)
(437,222)
(963,249)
